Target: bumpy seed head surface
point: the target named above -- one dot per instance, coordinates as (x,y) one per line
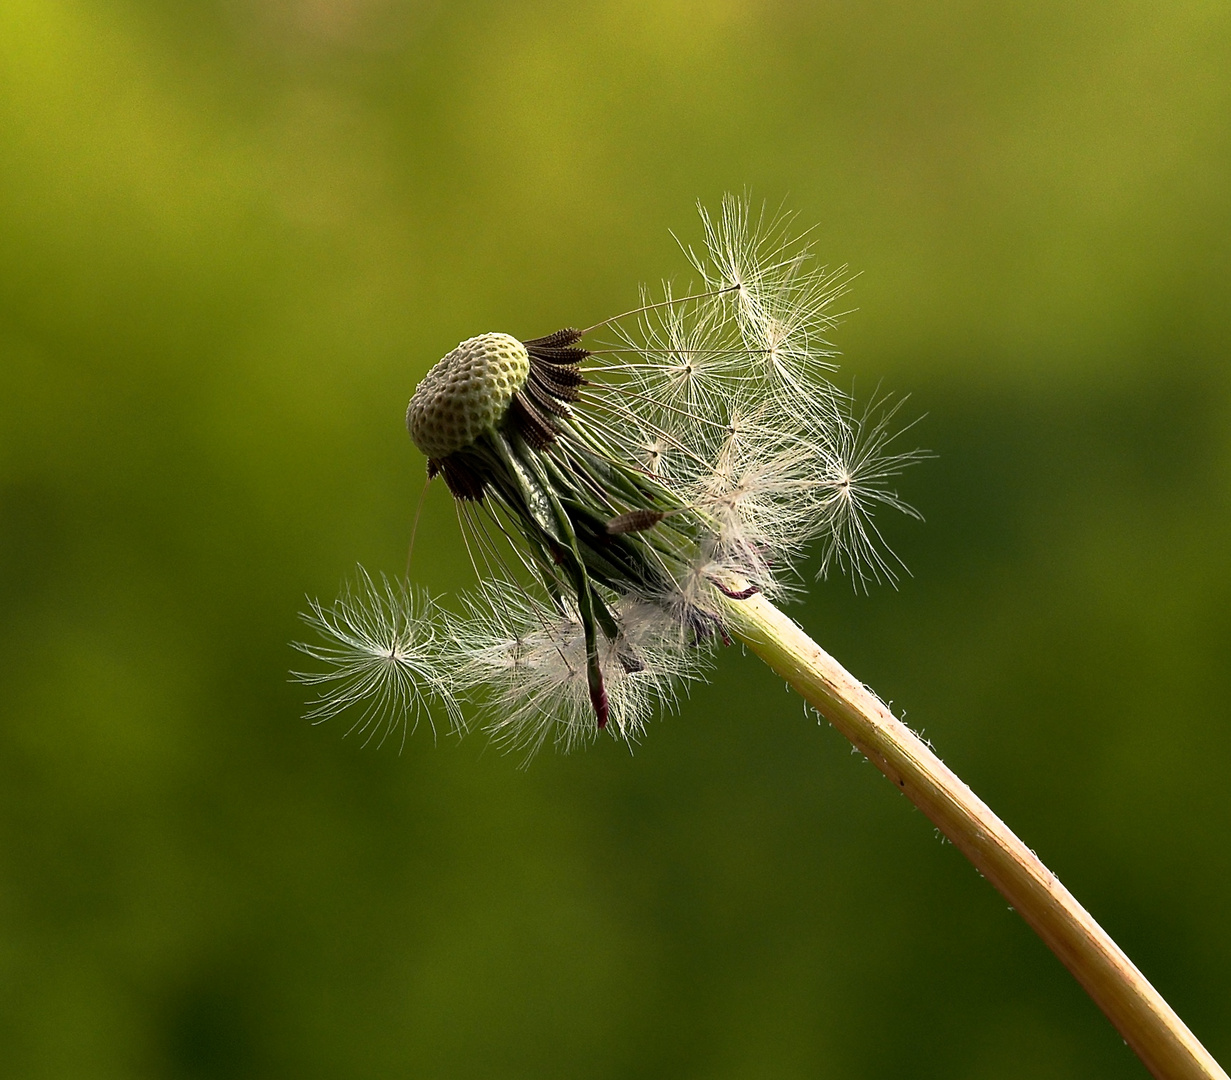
(467,393)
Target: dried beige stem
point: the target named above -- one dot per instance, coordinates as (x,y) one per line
(1148,1024)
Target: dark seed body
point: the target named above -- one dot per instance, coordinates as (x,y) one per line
(634,521)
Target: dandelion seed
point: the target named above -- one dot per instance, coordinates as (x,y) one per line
(856,468)
(782,299)
(385,653)
(530,660)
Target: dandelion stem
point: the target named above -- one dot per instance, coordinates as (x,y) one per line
(1148,1024)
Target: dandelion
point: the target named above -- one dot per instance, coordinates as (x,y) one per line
(662,461)
(672,465)
(632,494)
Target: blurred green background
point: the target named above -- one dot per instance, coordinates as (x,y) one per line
(234,234)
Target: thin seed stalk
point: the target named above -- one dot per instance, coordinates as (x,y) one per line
(1147,1023)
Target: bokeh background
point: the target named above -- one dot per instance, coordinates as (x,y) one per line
(234,234)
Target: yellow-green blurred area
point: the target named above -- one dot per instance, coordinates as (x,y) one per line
(235,233)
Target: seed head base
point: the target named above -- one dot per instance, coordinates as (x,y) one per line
(466,393)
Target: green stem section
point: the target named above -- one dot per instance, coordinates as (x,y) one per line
(1148,1024)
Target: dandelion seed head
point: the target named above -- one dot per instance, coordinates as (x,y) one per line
(619,495)
(466,393)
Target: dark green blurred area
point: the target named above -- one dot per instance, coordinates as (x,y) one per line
(234,234)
